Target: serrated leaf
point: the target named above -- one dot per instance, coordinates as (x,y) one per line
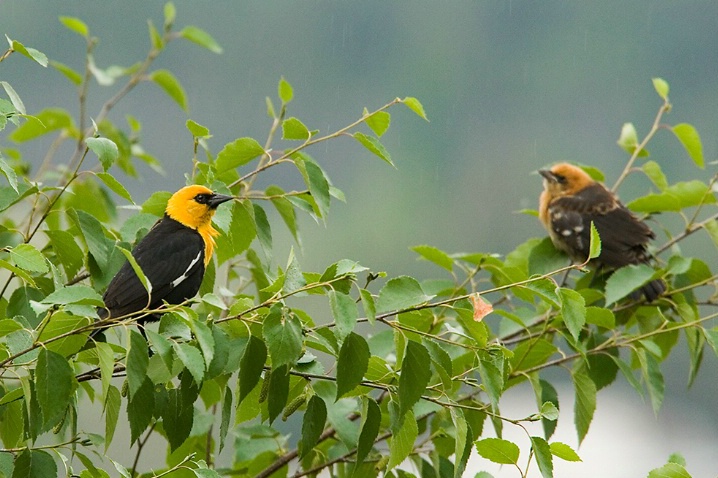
(371,423)
(285,91)
(368,305)
(14,97)
(283,333)
(400,293)
(691,141)
(352,363)
(402,443)
(201,38)
(544,459)
(137,361)
(312,425)
(573,310)
(25,256)
(34,464)
(549,411)
(373,145)
(70,255)
(344,311)
(414,104)
(653,378)
(601,317)
(435,255)
(76,25)
(9,174)
(669,470)
(53,386)
(111,408)
(115,186)
(238,153)
(378,122)
(653,170)
(197,130)
(585,405)
(625,280)
(192,359)
(105,149)
(498,450)
(414,377)
(292,128)
(278,391)
(168,82)
(661,87)
(595,244)
(250,366)
(563,451)
(37,56)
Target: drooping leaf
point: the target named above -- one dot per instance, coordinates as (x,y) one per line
(312,425)
(625,280)
(105,149)
(691,141)
(171,85)
(378,122)
(415,375)
(563,451)
(435,255)
(115,186)
(201,38)
(374,145)
(278,391)
(585,404)
(544,459)
(9,174)
(345,312)
(402,442)
(573,310)
(192,359)
(371,423)
(498,450)
(251,366)
(414,104)
(34,464)
(53,386)
(282,331)
(137,361)
(352,363)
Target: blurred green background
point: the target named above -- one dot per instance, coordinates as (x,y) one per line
(508,86)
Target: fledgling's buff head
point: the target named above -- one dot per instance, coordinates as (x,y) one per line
(564,179)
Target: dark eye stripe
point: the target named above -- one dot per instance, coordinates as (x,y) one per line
(202,198)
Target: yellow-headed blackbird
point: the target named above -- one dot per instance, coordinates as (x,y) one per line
(571,200)
(173,256)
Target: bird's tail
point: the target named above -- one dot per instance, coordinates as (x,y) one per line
(650,291)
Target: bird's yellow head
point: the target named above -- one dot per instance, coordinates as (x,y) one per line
(564,179)
(194,206)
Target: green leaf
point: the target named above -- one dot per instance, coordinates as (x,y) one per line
(318,186)
(112,413)
(9,174)
(402,443)
(285,91)
(585,405)
(74,294)
(573,310)
(139,272)
(653,170)
(284,208)
(661,87)
(170,13)
(14,97)
(205,339)
(415,375)
(437,256)
(352,363)
(414,105)
(549,411)
(155,36)
(105,149)
(625,280)
(601,317)
(191,358)
(378,122)
(653,378)
(312,425)
(282,331)
(669,470)
(595,245)
(564,451)
(137,361)
(178,416)
(238,153)
(156,203)
(226,416)
(250,366)
(197,130)
(201,38)
(373,145)
(167,81)
(34,464)
(292,128)
(691,141)
(400,293)
(53,386)
(628,139)
(37,56)
(25,256)
(115,186)
(544,459)
(371,423)
(344,311)
(499,451)
(278,391)
(46,121)
(368,304)
(76,25)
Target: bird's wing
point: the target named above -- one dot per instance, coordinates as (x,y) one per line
(168,255)
(623,235)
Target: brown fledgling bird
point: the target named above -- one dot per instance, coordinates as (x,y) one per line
(571,199)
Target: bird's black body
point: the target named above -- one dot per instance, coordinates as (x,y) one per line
(171,256)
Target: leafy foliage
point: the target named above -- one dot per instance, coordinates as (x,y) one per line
(221,369)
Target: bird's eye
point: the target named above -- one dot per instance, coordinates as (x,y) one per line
(202,198)
(561,179)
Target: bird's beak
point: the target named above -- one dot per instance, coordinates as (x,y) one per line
(547,175)
(218,199)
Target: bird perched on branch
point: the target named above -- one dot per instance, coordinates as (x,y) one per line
(571,200)
(172,256)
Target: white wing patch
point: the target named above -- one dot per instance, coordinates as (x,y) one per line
(185,274)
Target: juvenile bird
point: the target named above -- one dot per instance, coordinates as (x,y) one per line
(571,199)
(173,256)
